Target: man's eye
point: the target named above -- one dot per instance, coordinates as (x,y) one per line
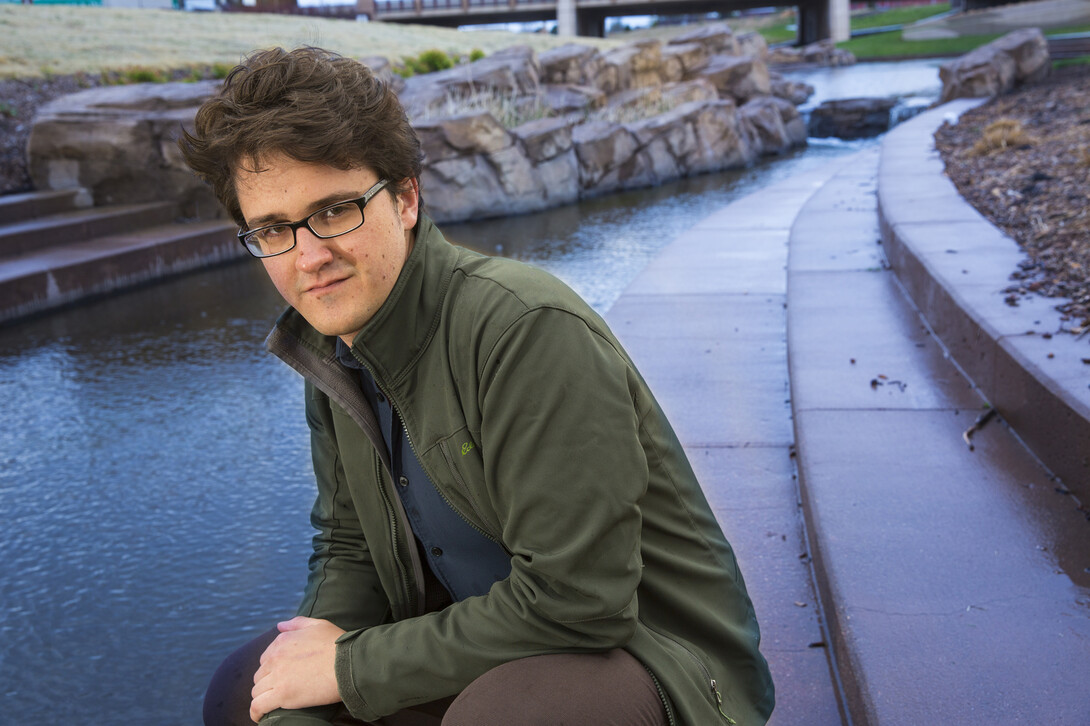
(271,234)
(334,213)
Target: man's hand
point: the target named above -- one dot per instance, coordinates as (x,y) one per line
(297,668)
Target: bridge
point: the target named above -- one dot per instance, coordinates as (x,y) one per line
(818,19)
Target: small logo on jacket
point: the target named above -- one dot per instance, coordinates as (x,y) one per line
(467,447)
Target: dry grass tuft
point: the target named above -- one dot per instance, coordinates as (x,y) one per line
(1000,135)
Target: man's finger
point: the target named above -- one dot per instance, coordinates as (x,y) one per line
(263,703)
(297,623)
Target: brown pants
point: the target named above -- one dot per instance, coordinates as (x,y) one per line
(545,690)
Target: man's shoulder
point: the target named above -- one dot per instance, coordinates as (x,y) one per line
(502,284)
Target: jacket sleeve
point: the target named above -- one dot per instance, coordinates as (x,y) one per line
(342,584)
(564,472)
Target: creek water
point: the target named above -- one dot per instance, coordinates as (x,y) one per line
(155,478)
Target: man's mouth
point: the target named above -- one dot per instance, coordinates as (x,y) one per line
(324,285)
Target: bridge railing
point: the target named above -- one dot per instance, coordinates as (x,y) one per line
(404,6)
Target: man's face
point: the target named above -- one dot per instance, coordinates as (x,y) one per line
(337,284)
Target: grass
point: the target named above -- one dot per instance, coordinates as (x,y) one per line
(892,45)
(46,40)
(897,16)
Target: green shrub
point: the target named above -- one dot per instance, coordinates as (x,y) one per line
(143,75)
(434,60)
(475,55)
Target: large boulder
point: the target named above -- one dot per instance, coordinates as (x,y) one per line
(851,118)
(752,44)
(740,78)
(690,56)
(996,68)
(120,144)
(572,64)
(772,125)
(638,64)
(716,38)
(795,92)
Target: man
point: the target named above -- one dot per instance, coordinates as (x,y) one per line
(508,531)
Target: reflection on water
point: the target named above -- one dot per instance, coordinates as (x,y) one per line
(155,476)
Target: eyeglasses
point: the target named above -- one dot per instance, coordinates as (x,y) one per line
(332,221)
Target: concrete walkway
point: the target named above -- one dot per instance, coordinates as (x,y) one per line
(954,582)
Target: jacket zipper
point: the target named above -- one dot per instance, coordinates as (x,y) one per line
(392,516)
(663,697)
(712,684)
(393,509)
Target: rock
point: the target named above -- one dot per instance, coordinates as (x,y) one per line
(691,56)
(998,67)
(752,44)
(602,148)
(120,144)
(796,92)
(635,98)
(464,187)
(722,144)
(567,99)
(716,38)
(572,64)
(471,133)
(638,64)
(773,125)
(821,53)
(544,138)
(851,118)
(685,91)
(737,78)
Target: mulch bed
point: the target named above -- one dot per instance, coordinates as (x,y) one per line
(1023,160)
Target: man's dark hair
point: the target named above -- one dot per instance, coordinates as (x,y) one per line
(308,104)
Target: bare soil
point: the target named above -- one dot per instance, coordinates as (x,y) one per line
(1031,178)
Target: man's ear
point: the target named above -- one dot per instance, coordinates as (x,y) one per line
(408,203)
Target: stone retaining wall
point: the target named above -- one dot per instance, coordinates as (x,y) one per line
(709,103)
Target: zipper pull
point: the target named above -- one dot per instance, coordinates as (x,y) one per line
(719,701)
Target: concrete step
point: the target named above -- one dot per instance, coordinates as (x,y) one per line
(955,265)
(65,228)
(48,278)
(955,579)
(30,205)
(705,324)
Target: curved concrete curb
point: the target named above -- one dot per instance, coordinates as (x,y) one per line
(955,264)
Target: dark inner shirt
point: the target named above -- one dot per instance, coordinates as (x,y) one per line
(465,561)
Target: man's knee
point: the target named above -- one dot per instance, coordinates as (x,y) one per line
(585,688)
(227,700)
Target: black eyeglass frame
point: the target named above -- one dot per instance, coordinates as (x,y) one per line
(361,202)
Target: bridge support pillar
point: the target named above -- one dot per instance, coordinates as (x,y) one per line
(824,19)
(565,18)
(590,24)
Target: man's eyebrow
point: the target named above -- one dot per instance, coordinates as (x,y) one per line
(277,218)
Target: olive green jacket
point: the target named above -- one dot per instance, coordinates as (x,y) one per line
(531,421)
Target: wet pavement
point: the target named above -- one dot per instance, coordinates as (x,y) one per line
(955,580)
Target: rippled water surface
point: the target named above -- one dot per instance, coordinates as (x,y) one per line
(155,477)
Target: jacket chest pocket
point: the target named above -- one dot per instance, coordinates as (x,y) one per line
(457,459)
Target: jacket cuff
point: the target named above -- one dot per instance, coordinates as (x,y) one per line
(344,667)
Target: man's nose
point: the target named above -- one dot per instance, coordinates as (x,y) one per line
(312,252)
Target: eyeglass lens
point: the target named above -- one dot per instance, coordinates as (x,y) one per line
(328,222)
